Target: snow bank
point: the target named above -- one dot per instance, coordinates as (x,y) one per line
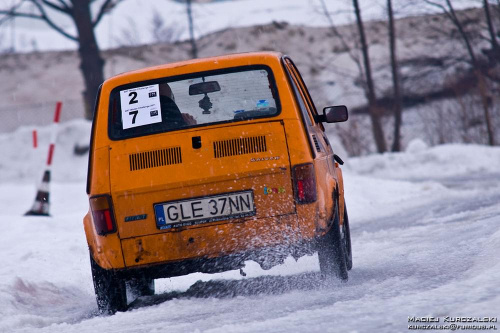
(22,163)
(420,162)
(45,272)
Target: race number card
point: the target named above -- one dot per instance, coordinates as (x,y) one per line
(140,106)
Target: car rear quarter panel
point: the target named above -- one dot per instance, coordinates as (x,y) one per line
(105,250)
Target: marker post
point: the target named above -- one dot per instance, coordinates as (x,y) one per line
(41,205)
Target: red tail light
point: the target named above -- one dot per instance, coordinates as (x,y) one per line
(304,182)
(102,213)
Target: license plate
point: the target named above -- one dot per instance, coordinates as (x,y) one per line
(181,213)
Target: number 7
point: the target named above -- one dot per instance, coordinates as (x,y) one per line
(134,113)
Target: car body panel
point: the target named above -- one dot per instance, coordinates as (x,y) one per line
(210,242)
(200,174)
(292,138)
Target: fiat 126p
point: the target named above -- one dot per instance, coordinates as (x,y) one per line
(200,165)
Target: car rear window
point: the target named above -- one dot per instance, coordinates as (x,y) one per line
(199,99)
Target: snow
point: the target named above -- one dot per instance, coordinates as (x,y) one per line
(425,232)
(130,23)
(439,162)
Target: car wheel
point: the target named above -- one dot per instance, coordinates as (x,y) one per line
(141,286)
(331,251)
(109,289)
(345,235)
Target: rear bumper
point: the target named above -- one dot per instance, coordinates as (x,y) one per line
(267,256)
(216,248)
(210,241)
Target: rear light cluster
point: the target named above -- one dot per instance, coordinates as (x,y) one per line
(102,213)
(304,183)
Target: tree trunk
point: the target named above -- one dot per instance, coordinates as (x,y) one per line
(486,108)
(396,144)
(494,43)
(461,30)
(378,132)
(491,29)
(91,62)
(480,77)
(194,48)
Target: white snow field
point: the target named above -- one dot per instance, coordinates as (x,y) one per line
(425,229)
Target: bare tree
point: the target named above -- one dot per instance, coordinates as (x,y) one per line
(164,33)
(129,36)
(449,10)
(374,110)
(495,48)
(396,144)
(368,85)
(79,12)
(194,48)
(352,135)
(2,39)
(345,45)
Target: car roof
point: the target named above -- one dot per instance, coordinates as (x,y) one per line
(202,64)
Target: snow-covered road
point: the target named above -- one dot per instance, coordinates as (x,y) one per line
(426,242)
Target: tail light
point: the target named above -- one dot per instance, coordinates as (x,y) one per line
(102,213)
(304,183)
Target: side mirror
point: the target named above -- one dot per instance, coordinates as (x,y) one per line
(333,114)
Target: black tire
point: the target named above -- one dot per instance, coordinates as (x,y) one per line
(331,251)
(109,289)
(346,238)
(141,286)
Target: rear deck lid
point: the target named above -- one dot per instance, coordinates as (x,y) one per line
(194,178)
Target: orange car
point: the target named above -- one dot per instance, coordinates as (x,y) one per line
(200,165)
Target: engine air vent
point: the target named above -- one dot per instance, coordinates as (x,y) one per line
(155,158)
(240,146)
(316,144)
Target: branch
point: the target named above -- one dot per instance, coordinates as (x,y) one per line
(450,12)
(65,10)
(491,76)
(105,8)
(5,19)
(7,13)
(64,4)
(336,33)
(43,16)
(443,8)
(12,12)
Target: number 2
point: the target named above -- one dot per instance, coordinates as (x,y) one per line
(133,100)
(134,113)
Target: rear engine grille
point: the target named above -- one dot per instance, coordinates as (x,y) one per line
(240,146)
(155,158)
